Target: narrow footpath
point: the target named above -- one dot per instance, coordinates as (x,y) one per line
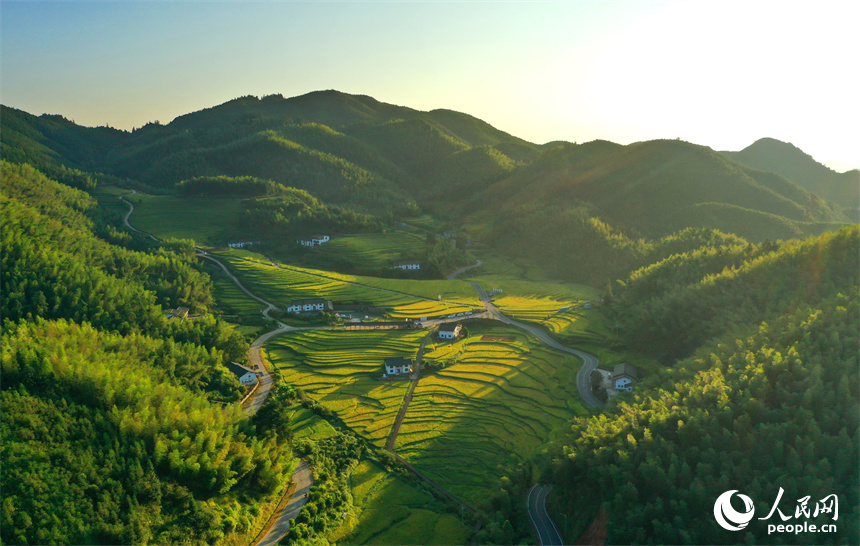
(416,375)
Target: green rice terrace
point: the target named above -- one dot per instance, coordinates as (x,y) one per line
(341,370)
(280,285)
(392,511)
(499,397)
(365,251)
(386,508)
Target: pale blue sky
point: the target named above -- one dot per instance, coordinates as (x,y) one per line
(721,73)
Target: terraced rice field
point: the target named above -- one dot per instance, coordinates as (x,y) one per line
(280,286)
(495,405)
(307,424)
(392,511)
(341,370)
(372,250)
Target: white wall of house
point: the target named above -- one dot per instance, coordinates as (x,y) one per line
(248,379)
(394,370)
(624,384)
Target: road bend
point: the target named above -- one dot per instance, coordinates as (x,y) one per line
(548,535)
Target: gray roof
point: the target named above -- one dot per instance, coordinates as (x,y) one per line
(448,327)
(237,369)
(398,361)
(625,370)
(309,301)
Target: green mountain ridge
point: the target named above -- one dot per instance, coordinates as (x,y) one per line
(768,154)
(383,159)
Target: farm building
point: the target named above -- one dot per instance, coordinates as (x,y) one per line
(179,312)
(449,330)
(242,244)
(311,305)
(410,265)
(314,240)
(243,374)
(397,365)
(624,376)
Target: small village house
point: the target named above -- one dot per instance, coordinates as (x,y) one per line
(408,265)
(397,365)
(313,240)
(179,312)
(624,377)
(449,330)
(312,305)
(244,375)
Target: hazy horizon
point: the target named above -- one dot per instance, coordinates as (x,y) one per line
(720,74)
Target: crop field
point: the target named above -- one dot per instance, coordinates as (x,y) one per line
(496,403)
(280,285)
(371,251)
(232,302)
(392,511)
(201,219)
(341,370)
(307,424)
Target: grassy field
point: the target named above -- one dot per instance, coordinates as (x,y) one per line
(204,220)
(282,285)
(392,511)
(495,404)
(341,370)
(365,252)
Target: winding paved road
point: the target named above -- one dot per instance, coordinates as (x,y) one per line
(548,535)
(589,361)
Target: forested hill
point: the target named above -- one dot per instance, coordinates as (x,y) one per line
(113,428)
(759,392)
(357,153)
(787,160)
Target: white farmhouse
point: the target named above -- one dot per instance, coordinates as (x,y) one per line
(319,239)
(243,374)
(624,377)
(397,365)
(449,331)
(410,265)
(309,306)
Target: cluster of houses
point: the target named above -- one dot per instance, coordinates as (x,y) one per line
(314,240)
(242,244)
